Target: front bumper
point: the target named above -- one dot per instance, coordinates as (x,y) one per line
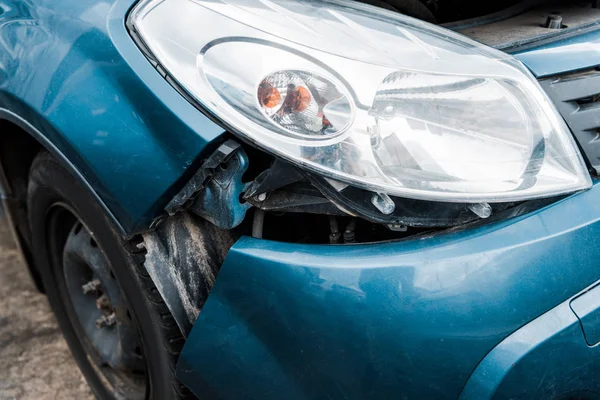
(411,319)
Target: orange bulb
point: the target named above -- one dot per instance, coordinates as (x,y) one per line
(299,99)
(268,96)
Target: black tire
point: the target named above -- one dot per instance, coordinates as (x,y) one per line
(52,187)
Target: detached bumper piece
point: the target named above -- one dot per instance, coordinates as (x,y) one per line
(410,319)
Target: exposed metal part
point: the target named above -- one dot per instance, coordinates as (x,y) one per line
(183,256)
(258,223)
(103,302)
(106,321)
(92,286)
(577,97)
(553,21)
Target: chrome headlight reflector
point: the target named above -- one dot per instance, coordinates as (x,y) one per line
(367,97)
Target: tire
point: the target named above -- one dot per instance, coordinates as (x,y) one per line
(59,208)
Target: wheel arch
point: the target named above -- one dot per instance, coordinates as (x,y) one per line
(20,142)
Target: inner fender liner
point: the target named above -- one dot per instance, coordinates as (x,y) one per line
(183,257)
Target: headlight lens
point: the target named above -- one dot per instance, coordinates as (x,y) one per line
(361,95)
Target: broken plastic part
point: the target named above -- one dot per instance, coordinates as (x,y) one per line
(184,198)
(219,201)
(482,210)
(383,202)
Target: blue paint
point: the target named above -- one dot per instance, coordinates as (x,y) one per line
(587,309)
(219,201)
(415,319)
(405,320)
(545,359)
(72,71)
(561,56)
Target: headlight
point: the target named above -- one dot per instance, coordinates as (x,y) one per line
(361,95)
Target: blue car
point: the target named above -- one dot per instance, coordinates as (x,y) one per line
(310,199)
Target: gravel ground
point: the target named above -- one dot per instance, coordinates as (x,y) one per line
(35,362)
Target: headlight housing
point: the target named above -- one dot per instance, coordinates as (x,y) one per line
(364,96)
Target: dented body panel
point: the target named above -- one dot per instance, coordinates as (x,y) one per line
(410,319)
(429,317)
(481,313)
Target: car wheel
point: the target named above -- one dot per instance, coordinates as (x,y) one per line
(116,324)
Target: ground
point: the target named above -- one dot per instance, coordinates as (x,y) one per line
(35,362)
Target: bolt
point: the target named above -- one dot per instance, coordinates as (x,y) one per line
(553,22)
(261,197)
(106,320)
(102,302)
(92,286)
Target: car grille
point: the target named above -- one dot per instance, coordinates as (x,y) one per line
(577,97)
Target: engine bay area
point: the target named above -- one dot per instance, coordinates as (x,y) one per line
(507,24)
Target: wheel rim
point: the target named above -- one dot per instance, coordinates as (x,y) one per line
(97,307)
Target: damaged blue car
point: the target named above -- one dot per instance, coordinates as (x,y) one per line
(310,199)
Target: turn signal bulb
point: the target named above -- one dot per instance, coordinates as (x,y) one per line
(268,96)
(299,102)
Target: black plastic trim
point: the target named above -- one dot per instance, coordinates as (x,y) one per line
(568,92)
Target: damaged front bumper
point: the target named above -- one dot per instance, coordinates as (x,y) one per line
(410,319)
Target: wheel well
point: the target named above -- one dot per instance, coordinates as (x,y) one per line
(17,151)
